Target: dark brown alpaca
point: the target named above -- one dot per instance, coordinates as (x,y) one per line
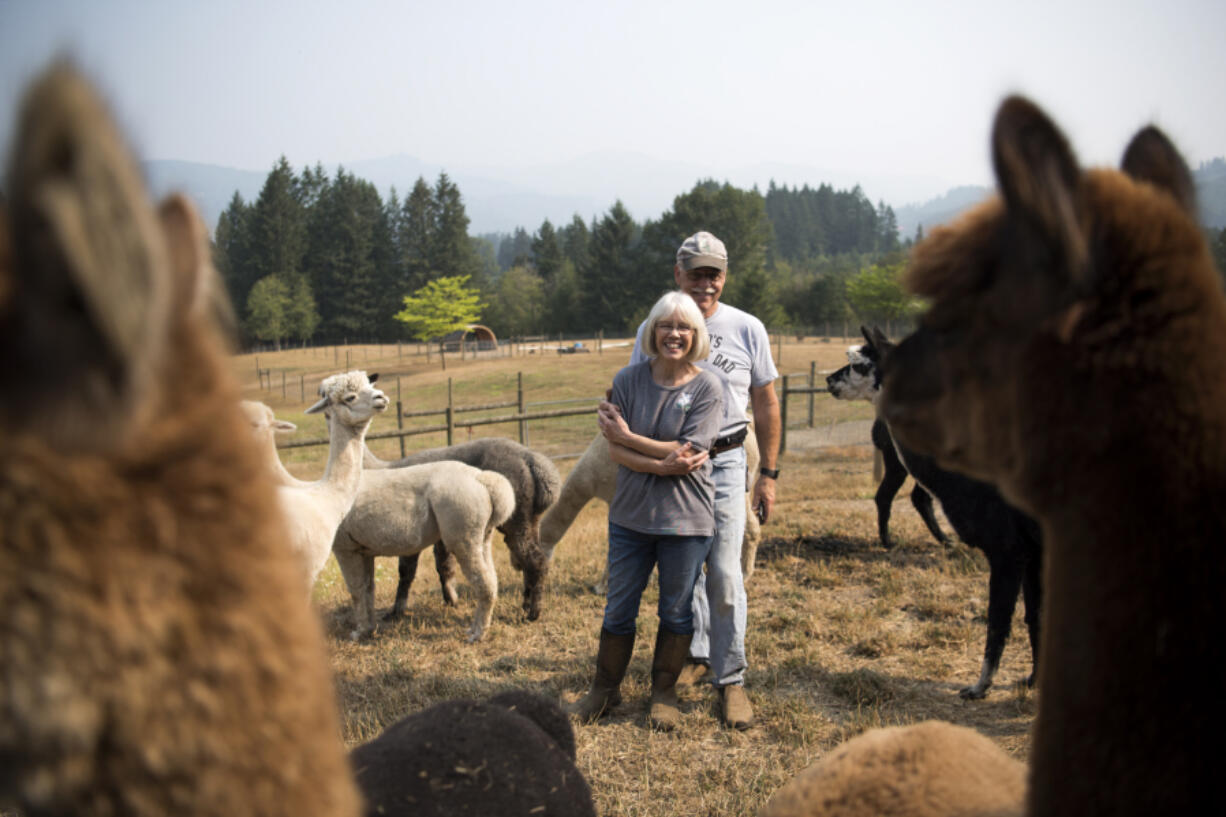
(1074,356)
(158,656)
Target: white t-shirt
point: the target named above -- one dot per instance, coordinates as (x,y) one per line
(740,355)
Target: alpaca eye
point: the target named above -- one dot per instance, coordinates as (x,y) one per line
(349,398)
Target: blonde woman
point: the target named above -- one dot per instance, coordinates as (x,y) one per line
(660,421)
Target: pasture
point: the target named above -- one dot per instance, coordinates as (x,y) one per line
(842,635)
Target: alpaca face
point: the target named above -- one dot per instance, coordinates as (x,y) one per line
(1067,277)
(860,379)
(351,399)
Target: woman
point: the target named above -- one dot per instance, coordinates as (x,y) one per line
(665,414)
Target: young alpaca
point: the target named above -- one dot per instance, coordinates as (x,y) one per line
(534,479)
(314,510)
(595,477)
(1010,539)
(403,511)
(158,658)
(1091,298)
(860,379)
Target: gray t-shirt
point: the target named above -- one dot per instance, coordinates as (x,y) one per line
(670,505)
(740,352)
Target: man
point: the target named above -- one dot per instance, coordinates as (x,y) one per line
(740,354)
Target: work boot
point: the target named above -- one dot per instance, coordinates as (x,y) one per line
(738,712)
(611,662)
(671,650)
(694,672)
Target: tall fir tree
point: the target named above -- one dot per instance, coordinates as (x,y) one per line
(231,251)
(610,279)
(546,252)
(451,253)
(278,226)
(415,239)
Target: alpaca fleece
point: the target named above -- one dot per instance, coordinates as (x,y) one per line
(1091,298)
(509,756)
(157,657)
(931,769)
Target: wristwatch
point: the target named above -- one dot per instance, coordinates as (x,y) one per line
(773,473)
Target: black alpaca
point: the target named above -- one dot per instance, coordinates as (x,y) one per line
(860,379)
(982,519)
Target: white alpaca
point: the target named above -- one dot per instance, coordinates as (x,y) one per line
(265,426)
(403,511)
(313,511)
(595,477)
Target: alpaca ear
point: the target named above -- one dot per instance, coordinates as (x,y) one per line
(879,338)
(1039,180)
(372,378)
(93,305)
(868,335)
(1150,157)
(318,407)
(283,425)
(198,288)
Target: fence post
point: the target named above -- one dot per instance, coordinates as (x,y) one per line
(779,356)
(523,424)
(783,418)
(450,414)
(283,397)
(812,384)
(302,388)
(399,416)
(348,366)
(257,365)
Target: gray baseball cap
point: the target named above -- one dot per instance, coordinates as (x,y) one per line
(702,250)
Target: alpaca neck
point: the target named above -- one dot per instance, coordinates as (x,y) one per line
(344,470)
(1130,710)
(370,461)
(561,514)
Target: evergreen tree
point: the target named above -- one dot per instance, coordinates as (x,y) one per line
(546,252)
(610,280)
(231,250)
(350,251)
(575,239)
(278,229)
(416,237)
(451,253)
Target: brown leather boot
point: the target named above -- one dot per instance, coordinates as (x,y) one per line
(738,712)
(671,650)
(611,662)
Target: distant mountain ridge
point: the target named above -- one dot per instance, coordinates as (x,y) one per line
(498,200)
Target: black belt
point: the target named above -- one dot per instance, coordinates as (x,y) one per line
(730,442)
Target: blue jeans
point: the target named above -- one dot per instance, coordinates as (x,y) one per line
(632,555)
(719,597)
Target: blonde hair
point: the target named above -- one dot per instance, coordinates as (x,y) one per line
(669,303)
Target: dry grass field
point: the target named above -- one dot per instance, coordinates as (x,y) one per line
(843,635)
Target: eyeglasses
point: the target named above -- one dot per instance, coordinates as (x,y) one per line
(669,328)
(705,274)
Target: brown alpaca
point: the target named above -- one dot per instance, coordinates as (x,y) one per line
(1073,355)
(158,655)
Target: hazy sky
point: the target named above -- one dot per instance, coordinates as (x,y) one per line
(893,88)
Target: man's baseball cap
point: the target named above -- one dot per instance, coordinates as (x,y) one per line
(702,250)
